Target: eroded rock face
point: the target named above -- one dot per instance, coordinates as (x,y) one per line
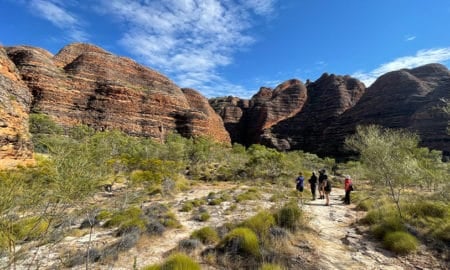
(319,119)
(292,116)
(203,119)
(232,110)
(328,98)
(269,107)
(15,100)
(246,120)
(84,84)
(409,99)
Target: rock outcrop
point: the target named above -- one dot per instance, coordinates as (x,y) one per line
(15,100)
(232,110)
(84,84)
(413,99)
(269,107)
(328,98)
(201,119)
(293,116)
(319,119)
(246,120)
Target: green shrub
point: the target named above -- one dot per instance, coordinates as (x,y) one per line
(30,228)
(177,261)
(242,241)
(277,197)
(43,124)
(198,202)
(442,232)
(400,242)
(4,242)
(103,215)
(187,206)
(170,220)
(270,266)
(225,197)
(260,224)
(158,214)
(428,209)
(376,215)
(180,261)
(206,235)
(372,217)
(289,216)
(365,205)
(387,225)
(250,194)
(131,217)
(215,201)
(204,216)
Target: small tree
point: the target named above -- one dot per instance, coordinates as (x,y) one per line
(389,156)
(265,162)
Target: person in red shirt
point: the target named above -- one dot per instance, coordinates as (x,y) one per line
(348,186)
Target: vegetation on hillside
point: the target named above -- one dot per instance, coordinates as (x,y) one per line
(39,203)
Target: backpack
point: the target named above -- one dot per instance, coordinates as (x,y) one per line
(327,187)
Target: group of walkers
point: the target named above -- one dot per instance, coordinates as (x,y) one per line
(323,184)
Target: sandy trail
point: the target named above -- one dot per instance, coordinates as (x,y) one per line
(340,245)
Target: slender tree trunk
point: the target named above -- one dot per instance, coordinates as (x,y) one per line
(395,198)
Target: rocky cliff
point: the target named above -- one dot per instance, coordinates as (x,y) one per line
(84,84)
(15,100)
(201,119)
(411,99)
(328,98)
(319,117)
(293,115)
(246,120)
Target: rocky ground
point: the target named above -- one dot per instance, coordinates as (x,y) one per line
(343,244)
(335,240)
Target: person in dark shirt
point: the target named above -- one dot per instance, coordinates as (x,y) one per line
(322,178)
(313,183)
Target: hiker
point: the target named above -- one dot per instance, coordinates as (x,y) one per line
(322,177)
(348,186)
(313,183)
(299,184)
(327,190)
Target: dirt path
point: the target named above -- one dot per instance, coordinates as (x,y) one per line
(340,245)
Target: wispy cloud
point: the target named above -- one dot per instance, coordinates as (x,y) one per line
(188,40)
(422,57)
(410,38)
(262,7)
(55,12)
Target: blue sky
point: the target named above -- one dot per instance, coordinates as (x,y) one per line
(232,47)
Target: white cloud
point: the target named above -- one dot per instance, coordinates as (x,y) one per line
(262,7)
(422,57)
(55,12)
(410,38)
(189,40)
